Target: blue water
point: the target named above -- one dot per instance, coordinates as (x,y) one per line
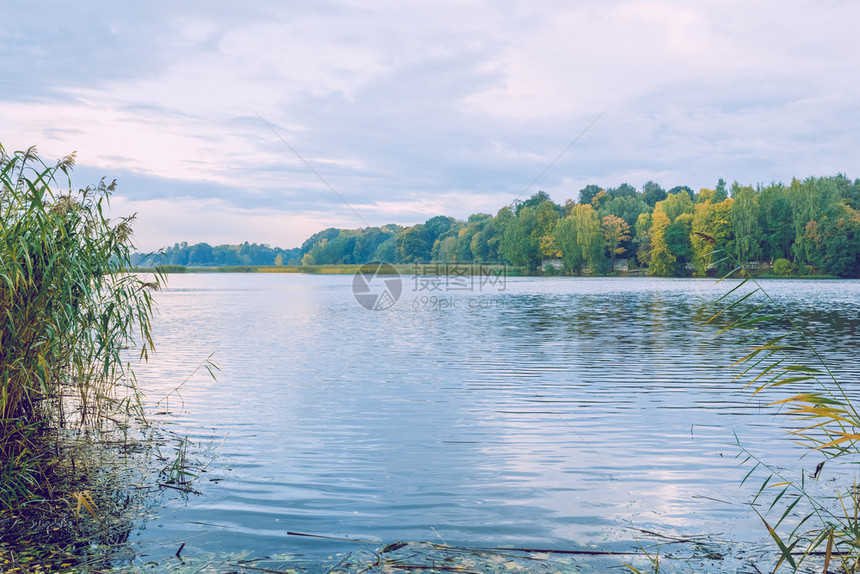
(541,412)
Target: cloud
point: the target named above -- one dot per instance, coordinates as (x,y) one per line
(216,222)
(411,110)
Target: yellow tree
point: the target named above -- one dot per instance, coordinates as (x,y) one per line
(662,260)
(547,218)
(600,199)
(712,230)
(615,232)
(675,204)
(706,194)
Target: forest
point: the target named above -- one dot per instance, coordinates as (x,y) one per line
(809,226)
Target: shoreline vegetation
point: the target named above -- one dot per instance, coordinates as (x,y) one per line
(793,378)
(439,269)
(807,227)
(72,421)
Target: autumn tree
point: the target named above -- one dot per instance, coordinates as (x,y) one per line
(662,261)
(711,230)
(704,195)
(600,199)
(675,204)
(616,231)
(547,218)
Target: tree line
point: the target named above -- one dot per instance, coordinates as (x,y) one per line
(205,255)
(810,225)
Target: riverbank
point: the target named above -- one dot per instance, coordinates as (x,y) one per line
(103,481)
(434,269)
(402,269)
(110,483)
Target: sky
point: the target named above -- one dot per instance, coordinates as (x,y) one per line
(267,121)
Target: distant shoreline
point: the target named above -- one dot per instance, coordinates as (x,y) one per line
(429,269)
(350,269)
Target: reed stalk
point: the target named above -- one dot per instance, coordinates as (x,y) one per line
(69,312)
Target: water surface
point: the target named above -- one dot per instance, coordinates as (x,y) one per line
(552,413)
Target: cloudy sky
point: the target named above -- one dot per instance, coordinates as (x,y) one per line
(216,117)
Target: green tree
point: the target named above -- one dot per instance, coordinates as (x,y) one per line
(587,193)
(580,240)
(678,238)
(623,190)
(745,225)
(627,208)
(445,249)
(720,193)
(811,200)
(834,241)
(386,251)
(684,189)
(486,244)
(535,201)
(776,226)
(200,254)
(566,240)
(784,267)
(652,193)
(519,244)
(413,245)
(368,241)
(474,225)
(435,227)
(642,238)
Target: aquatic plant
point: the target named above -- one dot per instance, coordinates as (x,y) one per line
(68,314)
(825,421)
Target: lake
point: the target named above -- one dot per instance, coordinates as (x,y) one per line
(557,413)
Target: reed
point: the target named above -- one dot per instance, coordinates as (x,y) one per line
(68,314)
(782,363)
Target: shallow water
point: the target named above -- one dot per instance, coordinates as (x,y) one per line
(542,412)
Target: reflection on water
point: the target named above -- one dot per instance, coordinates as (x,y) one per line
(557,413)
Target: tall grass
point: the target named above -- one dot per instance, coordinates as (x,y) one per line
(68,312)
(787,367)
